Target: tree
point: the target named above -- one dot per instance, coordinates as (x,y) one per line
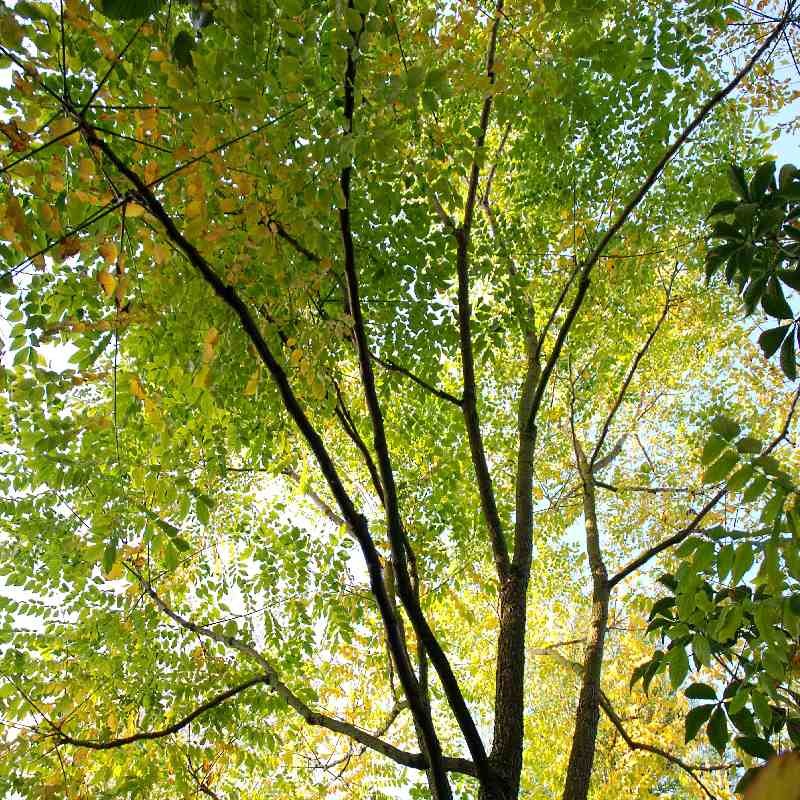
(338,333)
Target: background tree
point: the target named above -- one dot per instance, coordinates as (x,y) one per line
(377,320)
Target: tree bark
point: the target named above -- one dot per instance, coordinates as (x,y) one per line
(581,757)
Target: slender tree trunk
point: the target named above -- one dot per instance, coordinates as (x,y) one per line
(506,755)
(581,758)
(509,717)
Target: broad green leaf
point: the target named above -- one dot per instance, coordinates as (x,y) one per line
(678,663)
(761,180)
(721,467)
(742,561)
(717,730)
(695,719)
(788,359)
(770,340)
(700,691)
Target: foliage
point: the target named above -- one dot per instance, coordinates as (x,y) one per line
(332,332)
(760,248)
(735,604)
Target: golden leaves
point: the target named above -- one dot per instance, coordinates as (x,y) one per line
(137,390)
(107,282)
(70,246)
(194,209)
(209,343)
(63,126)
(133,210)
(86,170)
(18,138)
(252,383)
(108,250)
(151,171)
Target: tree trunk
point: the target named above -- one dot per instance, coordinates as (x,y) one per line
(581,757)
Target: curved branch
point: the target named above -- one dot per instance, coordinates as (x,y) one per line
(396,532)
(142,736)
(631,372)
(356,520)
(640,194)
(692,527)
(272,678)
(394,367)
(469,394)
(605,705)
(649,748)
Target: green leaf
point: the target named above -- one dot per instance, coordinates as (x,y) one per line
(743,721)
(717,730)
(721,467)
(749,444)
(130,9)
(742,561)
(723,207)
(415,76)
(725,561)
(678,663)
(202,511)
(695,720)
(182,47)
(791,277)
(761,707)
(786,175)
(700,691)
(762,180)
(770,340)
(738,181)
(774,303)
(110,555)
(727,428)
(713,447)
(737,703)
(787,358)
(354,20)
(702,650)
(755,746)
(755,489)
(740,478)
(661,605)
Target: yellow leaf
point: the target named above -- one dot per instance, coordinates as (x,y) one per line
(136,389)
(115,573)
(86,169)
(17,137)
(119,291)
(209,343)
(252,384)
(69,247)
(107,281)
(133,210)
(109,252)
(62,126)
(194,209)
(203,378)
(151,171)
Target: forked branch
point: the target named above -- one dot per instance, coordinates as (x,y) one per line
(272,678)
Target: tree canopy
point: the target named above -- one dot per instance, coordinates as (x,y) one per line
(380,414)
